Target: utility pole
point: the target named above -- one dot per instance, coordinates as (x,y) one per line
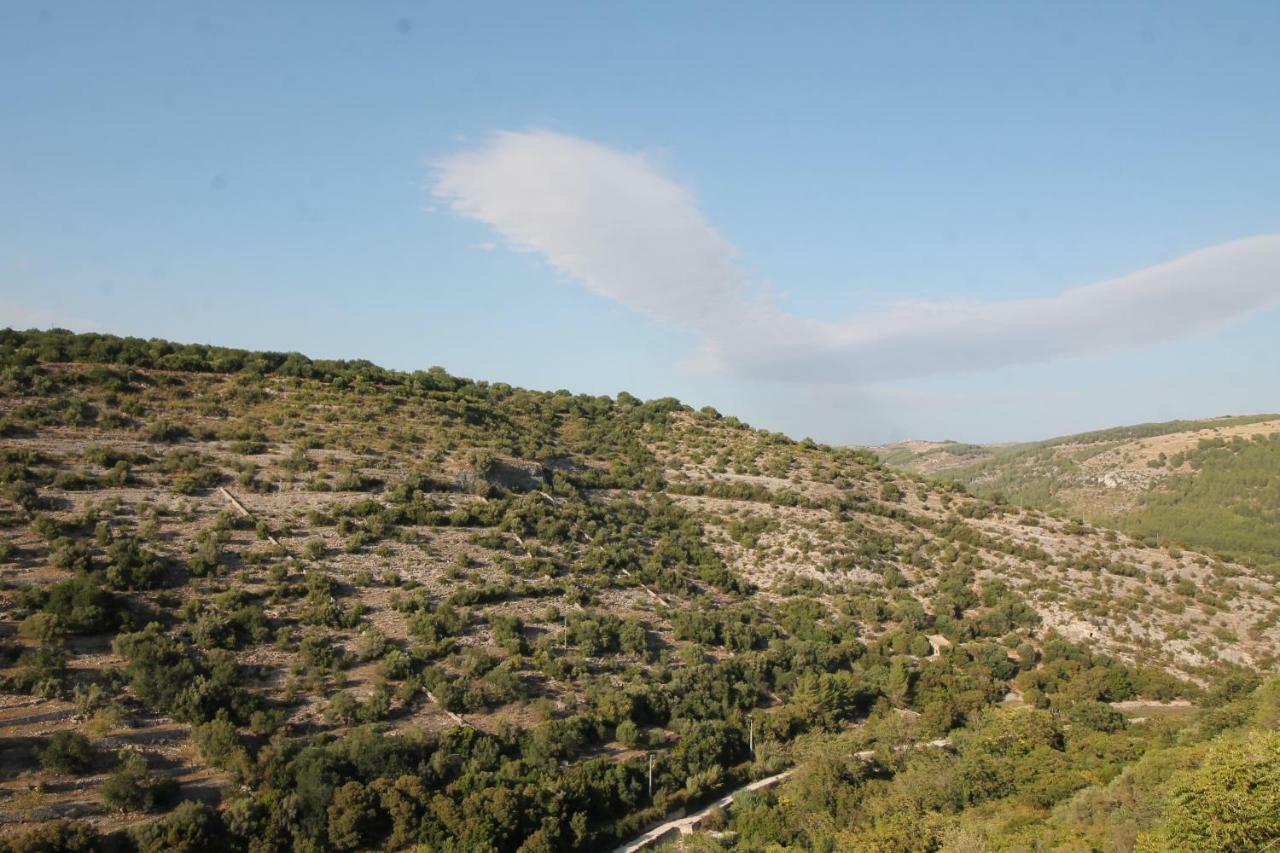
(651,777)
(751,735)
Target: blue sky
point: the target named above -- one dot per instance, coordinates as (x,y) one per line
(857,222)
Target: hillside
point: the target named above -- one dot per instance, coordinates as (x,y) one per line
(1211,484)
(345,607)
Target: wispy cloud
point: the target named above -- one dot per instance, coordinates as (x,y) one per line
(613,222)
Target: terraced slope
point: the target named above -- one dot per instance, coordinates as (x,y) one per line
(351,608)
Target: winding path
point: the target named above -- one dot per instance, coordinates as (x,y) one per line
(687,824)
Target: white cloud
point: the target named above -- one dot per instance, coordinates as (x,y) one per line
(613,222)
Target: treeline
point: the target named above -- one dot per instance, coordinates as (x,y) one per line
(535,425)
(22,348)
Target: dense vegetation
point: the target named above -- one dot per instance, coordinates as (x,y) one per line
(1083,778)
(254,601)
(1229,500)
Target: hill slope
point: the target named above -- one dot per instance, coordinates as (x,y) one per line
(361,608)
(1211,484)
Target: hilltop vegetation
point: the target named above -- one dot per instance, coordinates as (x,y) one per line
(1210,485)
(254,601)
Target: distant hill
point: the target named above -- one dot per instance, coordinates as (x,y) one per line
(1209,484)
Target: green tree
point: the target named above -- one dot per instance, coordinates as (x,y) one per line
(1232,802)
(404,802)
(352,816)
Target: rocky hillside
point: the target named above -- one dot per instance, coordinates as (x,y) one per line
(324,603)
(1211,484)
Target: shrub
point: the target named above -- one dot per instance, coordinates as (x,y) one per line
(395,665)
(131,566)
(628,733)
(58,836)
(221,746)
(74,606)
(40,671)
(1098,716)
(377,706)
(343,708)
(133,787)
(45,627)
(65,751)
(192,828)
(163,432)
(173,679)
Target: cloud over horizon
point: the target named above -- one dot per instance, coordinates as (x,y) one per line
(614,223)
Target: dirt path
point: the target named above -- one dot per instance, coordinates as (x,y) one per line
(686,825)
(1141,710)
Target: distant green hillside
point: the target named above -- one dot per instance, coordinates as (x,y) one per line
(953,450)
(1138,431)
(1230,502)
(1208,484)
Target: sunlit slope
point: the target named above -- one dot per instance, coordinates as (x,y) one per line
(1211,484)
(244,578)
